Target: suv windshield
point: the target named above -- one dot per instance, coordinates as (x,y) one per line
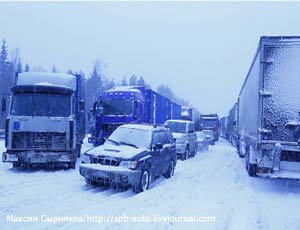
(134,137)
(117,106)
(41,104)
(177,127)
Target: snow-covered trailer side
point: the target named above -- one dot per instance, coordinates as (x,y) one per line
(231,127)
(269,105)
(223,126)
(46,120)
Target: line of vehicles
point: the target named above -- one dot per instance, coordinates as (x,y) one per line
(264,124)
(46,123)
(138,134)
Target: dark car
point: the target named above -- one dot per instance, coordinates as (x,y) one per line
(134,155)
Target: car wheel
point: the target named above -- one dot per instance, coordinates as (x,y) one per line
(144,182)
(186,154)
(170,171)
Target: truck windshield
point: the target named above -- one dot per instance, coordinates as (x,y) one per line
(177,127)
(209,122)
(41,104)
(117,106)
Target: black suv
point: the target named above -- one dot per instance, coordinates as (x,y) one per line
(134,155)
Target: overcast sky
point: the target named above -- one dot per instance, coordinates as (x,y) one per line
(201,50)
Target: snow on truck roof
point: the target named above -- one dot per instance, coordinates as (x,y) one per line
(124,88)
(47,79)
(179,121)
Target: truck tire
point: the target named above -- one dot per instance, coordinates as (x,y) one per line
(251,168)
(195,151)
(143,183)
(17,164)
(186,154)
(170,171)
(71,165)
(78,149)
(240,151)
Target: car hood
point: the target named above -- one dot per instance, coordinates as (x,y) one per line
(178,135)
(121,151)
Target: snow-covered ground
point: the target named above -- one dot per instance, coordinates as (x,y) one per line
(212,184)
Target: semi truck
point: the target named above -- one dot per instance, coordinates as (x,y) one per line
(191,114)
(46,120)
(210,122)
(223,124)
(269,106)
(231,126)
(130,104)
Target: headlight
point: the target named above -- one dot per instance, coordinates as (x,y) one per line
(180,140)
(86,158)
(129,164)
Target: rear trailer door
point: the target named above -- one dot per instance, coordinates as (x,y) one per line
(281,90)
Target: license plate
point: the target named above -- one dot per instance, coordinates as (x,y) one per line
(38,158)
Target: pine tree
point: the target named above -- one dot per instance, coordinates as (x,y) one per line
(54,69)
(124,81)
(133,80)
(141,81)
(19,68)
(7,76)
(27,68)
(3,54)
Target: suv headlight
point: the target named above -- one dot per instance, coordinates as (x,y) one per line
(179,140)
(129,164)
(86,158)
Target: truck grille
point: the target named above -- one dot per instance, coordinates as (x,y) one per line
(105,161)
(290,156)
(38,140)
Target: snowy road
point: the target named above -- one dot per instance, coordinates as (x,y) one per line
(214,184)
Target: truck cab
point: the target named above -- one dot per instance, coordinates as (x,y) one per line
(45,123)
(121,105)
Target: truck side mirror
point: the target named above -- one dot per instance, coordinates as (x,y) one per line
(157,146)
(3,104)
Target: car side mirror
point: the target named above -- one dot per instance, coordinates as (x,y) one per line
(157,146)
(190,131)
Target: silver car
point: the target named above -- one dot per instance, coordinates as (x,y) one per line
(202,141)
(185,137)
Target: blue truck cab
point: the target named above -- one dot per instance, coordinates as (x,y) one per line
(129,104)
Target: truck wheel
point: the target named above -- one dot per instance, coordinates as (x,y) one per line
(186,154)
(251,168)
(170,171)
(195,151)
(144,182)
(78,150)
(17,164)
(240,151)
(71,165)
